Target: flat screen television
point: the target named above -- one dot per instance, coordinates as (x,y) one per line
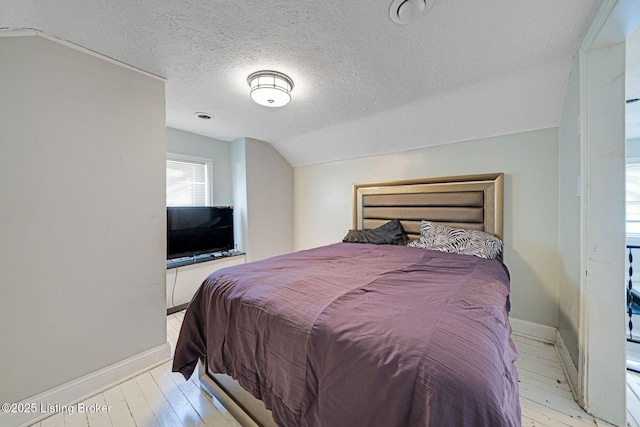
(195,230)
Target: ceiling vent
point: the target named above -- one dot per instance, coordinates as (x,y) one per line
(203,116)
(405,11)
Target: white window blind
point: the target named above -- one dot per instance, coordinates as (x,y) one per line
(187,182)
(633,199)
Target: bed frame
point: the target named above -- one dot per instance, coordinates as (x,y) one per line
(471,201)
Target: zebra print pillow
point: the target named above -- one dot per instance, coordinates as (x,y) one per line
(442,238)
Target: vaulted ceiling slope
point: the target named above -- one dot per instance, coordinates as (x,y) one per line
(363,84)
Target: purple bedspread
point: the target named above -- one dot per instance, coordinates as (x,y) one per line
(361,335)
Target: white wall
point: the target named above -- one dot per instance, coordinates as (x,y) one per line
(603,233)
(263,193)
(240,199)
(569,216)
(323,204)
(600,74)
(82,222)
(190,144)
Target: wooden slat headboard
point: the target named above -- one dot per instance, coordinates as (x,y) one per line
(473,202)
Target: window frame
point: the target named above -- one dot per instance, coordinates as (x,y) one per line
(630,237)
(208,164)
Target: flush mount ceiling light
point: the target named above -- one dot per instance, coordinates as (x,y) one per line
(404,11)
(270,88)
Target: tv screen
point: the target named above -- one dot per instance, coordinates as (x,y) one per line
(196,230)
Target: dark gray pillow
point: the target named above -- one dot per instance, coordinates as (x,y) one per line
(390,233)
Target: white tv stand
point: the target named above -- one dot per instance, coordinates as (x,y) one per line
(184,276)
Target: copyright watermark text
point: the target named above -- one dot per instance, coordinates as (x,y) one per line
(47,408)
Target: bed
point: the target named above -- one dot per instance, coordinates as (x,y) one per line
(356,334)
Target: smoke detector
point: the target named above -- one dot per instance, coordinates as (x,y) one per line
(405,11)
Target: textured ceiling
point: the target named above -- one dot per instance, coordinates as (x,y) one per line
(363,84)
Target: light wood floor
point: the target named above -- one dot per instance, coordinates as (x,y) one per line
(161,398)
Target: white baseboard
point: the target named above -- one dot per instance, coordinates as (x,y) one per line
(549,335)
(567,364)
(86,386)
(533,330)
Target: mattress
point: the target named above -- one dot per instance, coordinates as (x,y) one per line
(358,334)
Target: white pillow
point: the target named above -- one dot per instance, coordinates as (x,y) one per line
(442,238)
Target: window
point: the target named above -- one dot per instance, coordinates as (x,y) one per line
(188,181)
(633,199)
